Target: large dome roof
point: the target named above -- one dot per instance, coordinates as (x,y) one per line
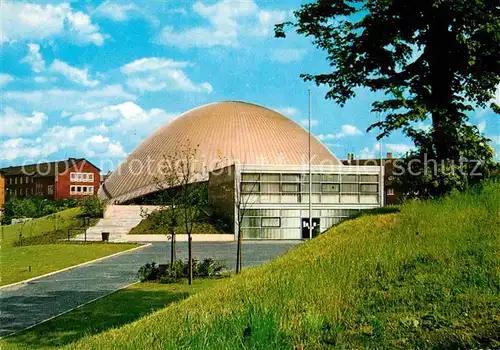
(234,131)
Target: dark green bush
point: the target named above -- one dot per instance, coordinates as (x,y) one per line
(168,274)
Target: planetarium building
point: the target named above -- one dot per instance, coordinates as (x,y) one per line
(259,165)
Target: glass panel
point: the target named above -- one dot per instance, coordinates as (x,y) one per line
(315,198)
(270,198)
(270,187)
(250,198)
(290,198)
(250,177)
(315,213)
(290,222)
(368,198)
(251,221)
(251,233)
(270,212)
(270,233)
(349,178)
(252,212)
(316,188)
(349,188)
(372,188)
(290,187)
(270,177)
(330,198)
(349,198)
(368,178)
(250,187)
(331,177)
(290,177)
(329,187)
(291,233)
(271,222)
(316,177)
(290,212)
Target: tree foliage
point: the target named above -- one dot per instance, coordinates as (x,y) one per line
(436,59)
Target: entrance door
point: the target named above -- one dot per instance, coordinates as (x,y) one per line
(305,227)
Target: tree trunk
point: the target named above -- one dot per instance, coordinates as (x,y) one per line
(172,246)
(238,251)
(440,48)
(190,261)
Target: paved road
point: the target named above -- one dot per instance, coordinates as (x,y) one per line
(29,304)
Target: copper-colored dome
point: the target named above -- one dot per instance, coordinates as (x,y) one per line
(233,131)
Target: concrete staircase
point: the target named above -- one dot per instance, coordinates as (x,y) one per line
(118,221)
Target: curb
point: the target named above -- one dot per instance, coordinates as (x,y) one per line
(72,267)
(67,311)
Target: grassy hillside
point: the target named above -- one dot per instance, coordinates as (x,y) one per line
(425,277)
(41,226)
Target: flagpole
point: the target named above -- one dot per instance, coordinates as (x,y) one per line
(310,175)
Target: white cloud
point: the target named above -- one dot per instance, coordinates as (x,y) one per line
(13,124)
(227,22)
(34,58)
(345,130)
(122,12)
(15,148)
(350,130)
(31,21)
(43,79)
(5,79)
(70,100)
(370,153)
(288,111)
(398,148)
(118,12)
(127,116)
(367,153)
(482,126)
(98,145)
(287,55)
(305,123)
(155,74)
(79,76)
(495,139)
(149,64)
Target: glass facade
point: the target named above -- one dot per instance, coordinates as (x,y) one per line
(289,194)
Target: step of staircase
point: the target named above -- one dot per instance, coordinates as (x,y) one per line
(118,220)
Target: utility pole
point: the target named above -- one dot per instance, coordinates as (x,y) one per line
(310,173)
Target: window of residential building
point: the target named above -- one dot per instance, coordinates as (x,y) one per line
(15,180)
(21,180)
(27,180)
(81,177)
(50,189)
(21,192)
(390,191)
(10,181)
(15,192)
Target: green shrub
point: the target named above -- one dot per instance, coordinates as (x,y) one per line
(92,207)
(34,207)
(206,268)
(148,272)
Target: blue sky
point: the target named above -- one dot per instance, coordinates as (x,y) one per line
(93,79)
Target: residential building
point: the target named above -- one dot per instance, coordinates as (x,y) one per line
(74,177)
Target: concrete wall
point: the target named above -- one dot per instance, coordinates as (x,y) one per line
(221,194)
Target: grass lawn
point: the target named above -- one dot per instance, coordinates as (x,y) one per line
(41,226)
(426,277)
(20,263)
(120,308)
